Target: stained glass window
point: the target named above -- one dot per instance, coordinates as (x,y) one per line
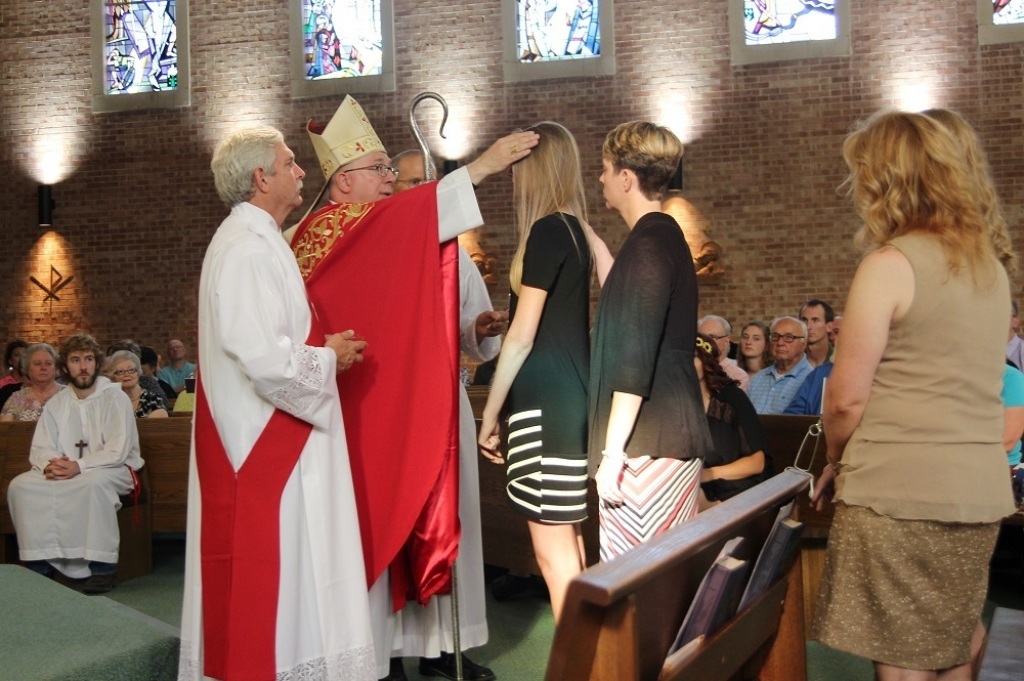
(557,29)
(779,30)
(140,53)
(557,39)
(770,22)
(341,46)
(1000,21)
(342,38)
(1007,12)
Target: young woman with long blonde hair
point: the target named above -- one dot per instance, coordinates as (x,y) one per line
(543,369)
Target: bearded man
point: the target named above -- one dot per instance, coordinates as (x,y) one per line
(84,456)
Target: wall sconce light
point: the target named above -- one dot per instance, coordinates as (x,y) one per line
(46,205)
(676,183)
(449,166)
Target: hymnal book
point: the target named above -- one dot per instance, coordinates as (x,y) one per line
(716,599)
(776,557)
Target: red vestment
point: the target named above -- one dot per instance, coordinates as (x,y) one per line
(378,269)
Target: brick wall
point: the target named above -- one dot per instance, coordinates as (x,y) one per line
(762,163)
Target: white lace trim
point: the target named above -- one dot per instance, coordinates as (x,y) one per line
(296,397)
(357,664)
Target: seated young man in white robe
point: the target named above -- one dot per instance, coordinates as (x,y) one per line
(84,455)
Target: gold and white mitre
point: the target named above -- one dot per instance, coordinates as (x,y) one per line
(345,138)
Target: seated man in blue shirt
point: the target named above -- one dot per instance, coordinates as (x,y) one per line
(808,398)
(773,388)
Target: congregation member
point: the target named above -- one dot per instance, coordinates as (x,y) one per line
(646,415)
(773,388)
(425,631)
(178,367)
(274,581)
(907,566)
(755,351)
(1014,344)
(146,380)
(406,478)
(39,384)
(150,365)
(833,334)
(125,369)
(12,362)
(543,368)
(808,399)
(819,317)
(739,459)
(84,456)
(720,330)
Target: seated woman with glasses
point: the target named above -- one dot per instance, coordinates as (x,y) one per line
(739,460)
(125,368)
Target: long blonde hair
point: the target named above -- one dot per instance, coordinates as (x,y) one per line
(908,174)
(977,162)
(549,180)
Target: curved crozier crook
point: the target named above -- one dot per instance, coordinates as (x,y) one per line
(428,161)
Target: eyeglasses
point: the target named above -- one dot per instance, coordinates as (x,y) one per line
(786,338)
(381,169)
(414,182)
(126,372)
(717,338)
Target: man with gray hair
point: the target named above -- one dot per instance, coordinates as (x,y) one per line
(720,330)
(274,580)
(773,388)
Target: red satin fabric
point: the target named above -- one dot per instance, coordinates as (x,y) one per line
(376,269)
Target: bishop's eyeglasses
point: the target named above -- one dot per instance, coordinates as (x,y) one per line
(381,169)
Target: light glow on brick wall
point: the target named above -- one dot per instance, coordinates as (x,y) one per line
(918,95)
(53,156)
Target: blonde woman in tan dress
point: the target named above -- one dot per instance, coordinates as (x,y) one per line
(912,406)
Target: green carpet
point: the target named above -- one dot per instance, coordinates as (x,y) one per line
(521,629)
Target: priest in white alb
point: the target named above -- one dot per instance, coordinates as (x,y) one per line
(274,584)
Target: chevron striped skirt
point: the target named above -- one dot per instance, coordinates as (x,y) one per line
(658,494)
(548,487)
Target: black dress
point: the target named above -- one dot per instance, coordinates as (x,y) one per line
(547,402)
(736,432)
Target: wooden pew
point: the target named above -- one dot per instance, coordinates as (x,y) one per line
(621,617)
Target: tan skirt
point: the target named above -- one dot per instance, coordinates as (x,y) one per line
(907,593)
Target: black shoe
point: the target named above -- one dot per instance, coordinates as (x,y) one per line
(99,584)
(444,667)
(509,586)
(396,671)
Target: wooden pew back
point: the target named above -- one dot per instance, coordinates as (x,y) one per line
(620,618)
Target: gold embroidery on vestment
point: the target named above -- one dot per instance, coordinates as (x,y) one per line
(323,232)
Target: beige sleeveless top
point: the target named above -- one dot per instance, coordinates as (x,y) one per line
(929,445)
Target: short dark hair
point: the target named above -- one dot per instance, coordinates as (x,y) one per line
(830,314)
(148,356)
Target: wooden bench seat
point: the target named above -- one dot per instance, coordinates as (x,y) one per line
(621,617)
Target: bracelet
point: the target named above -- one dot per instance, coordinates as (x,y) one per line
(836,466)
(618,455)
